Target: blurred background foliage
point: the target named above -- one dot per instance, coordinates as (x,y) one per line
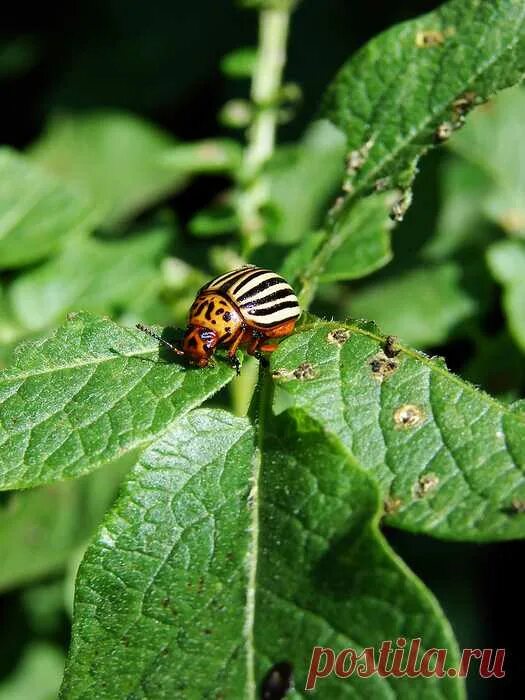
(120,112)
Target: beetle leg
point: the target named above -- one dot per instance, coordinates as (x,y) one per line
(268,347)
(232,352)
(253,346)
(262,359)
(234,361)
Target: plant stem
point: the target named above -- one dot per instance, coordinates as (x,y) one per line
(266,81)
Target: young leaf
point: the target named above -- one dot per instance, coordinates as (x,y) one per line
(239,63)
(422,306)
(115,158)
(88,393)
(210,156)
(461,224)
(89,274)
(506,260)
(397,90)
(410,86)
(303,178)
(37,675)
(364,241)
(40,528)
(448,457)
(214,221)
(489,142)
(246,562)
(37,212)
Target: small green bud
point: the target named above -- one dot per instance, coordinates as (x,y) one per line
(236,114)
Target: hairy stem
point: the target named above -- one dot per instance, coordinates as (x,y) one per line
(271,56)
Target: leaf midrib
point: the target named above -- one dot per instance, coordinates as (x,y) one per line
(62,368)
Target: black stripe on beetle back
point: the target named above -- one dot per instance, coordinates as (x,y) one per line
(273,324)
(249,278)
(231,280)
(220,279)
(274,308)
(279,294)
(260,287)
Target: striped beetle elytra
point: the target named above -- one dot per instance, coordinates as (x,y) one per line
(245,307)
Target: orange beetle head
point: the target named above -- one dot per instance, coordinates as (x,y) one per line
(199,344)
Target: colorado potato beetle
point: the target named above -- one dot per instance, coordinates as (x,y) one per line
(245,307)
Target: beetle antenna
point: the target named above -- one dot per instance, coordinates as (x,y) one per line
(152,334)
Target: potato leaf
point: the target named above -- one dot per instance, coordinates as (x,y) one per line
(247,560)
(448,457)
(88,393)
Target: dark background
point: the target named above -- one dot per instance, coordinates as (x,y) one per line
(161,60)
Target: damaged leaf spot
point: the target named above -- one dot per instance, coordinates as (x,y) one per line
(444,131)
(339,336)
(354,162)
(382,184)
(390,348)
(462,106)
(425,484)
(400,206)
(356,159)
(426,38)
(408,416)
(383,366)
(337,206)
(303,372)
(518,505)
(392,505)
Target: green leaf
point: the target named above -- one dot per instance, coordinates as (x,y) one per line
(396,91)
(325,574)
(423,306)
(361,242)
(214,222)
(164,584)
(114,157)
(40,528)
(485,368)
(10,329)
(506,260)
(489,142)
(88,393)
(37,676)
(89,274)
(303,178)
(460,223)
(449,458)
(210,156)
(409,87)
(239,63)
(212,554)
(37,212)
